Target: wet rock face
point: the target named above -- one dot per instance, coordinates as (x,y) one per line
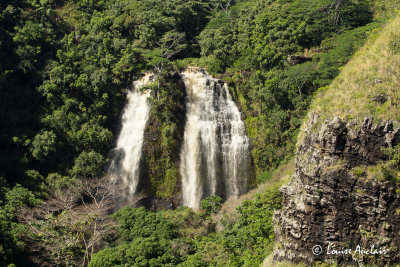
(326,204)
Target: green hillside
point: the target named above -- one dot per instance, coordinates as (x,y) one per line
(369,84)
(64,70)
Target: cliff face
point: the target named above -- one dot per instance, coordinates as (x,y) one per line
(160,180)
(330,205)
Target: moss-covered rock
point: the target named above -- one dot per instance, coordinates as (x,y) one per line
(160,178)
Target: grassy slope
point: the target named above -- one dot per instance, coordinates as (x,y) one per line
(373,71)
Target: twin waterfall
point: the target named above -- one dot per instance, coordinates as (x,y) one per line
(214,158)
(125,158)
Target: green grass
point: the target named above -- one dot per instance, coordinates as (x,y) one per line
(374,70)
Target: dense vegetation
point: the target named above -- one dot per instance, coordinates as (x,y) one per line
(185,238)
(65,65)
(253,41)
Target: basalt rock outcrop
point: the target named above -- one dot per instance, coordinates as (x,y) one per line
(295,59)
(328,204)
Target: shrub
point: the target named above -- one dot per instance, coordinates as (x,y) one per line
(358,171)
(140,252)
(88,164)
(138,222)
(211,205)
(43,144)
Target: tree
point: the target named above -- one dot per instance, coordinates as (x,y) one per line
(43,144)
(69,227)
(11,201)
(88,164)
(170,44)
(223,4)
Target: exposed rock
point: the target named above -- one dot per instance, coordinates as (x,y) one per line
(326,204)
(166,203)
(381,98)
(157,159)
(295,59)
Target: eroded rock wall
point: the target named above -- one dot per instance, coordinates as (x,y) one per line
(326,204)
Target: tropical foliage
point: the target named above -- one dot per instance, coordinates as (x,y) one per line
(64,69)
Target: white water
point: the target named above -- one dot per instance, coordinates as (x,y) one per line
(214,155)
(125,158)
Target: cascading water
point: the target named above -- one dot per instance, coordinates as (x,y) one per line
(125,158)
(215,153)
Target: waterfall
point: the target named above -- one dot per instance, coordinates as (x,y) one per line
(125,158)
(215,151)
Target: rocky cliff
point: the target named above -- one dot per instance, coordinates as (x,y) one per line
(160,182)
(336,201)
